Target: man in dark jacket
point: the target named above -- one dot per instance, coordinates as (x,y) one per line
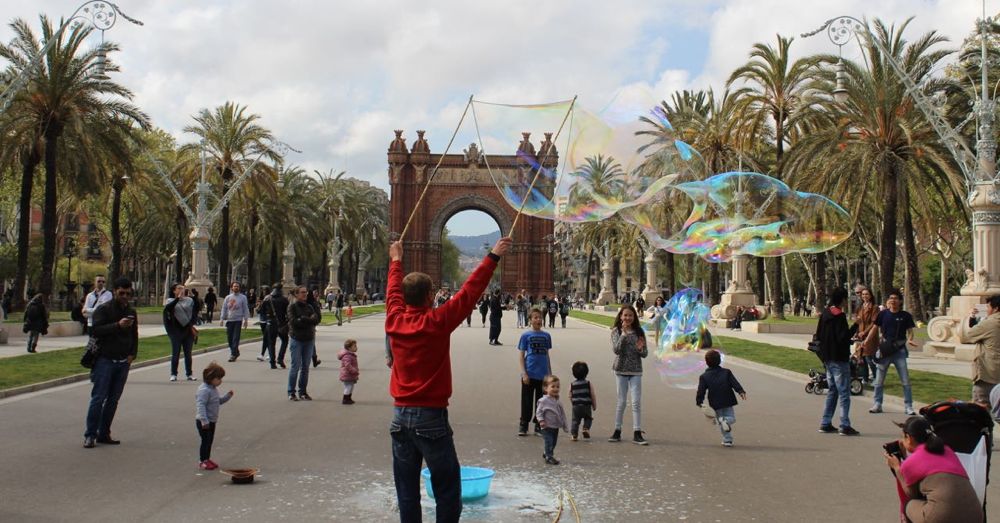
(117,334)
(496,312)
(275,307)
(835,350)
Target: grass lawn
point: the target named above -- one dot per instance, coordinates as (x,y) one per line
(928,386)
(54,316)
(363,310)
(43,366)
(803,320)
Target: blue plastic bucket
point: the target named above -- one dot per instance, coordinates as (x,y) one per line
(475,482)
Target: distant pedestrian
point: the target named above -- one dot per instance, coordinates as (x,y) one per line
(276,307)
(551,417)
(96,298)
(834,338)
(553,308)
(583,400)
(36,320)
(867,337)
(349,312)
(721,387)
(207,402)
(349,371)
(178,321)
(496,313)
(302,318)
(564,308)
(339,304)
(235,314)
(985,333)
(484,308)
(313,301)
(210,300)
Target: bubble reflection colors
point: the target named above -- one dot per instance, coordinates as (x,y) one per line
(679,358)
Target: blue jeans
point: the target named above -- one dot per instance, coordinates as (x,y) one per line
(109,380)
(728,414)
(629,385)
(302,351)
(233,337)
(899,360)
(177,344)
(838,375)
(423,434)
(550,437)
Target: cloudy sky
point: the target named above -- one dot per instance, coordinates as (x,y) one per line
(334,78)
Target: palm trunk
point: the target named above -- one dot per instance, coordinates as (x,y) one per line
(887,240)
(252,251)
(714,278)
(115,267)
(181,231)
(671,273)
(821,283)
(615,268)
(943,294)
(29,161)
(913,298)
(590,271)
(275,274)
(49,222)
(758,284)
(227,175)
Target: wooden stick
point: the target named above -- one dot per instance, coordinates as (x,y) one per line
(540,167)
(433,172)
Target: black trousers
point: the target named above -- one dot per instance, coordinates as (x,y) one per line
(552,319)
(530,394)
(494,328)
(207,433)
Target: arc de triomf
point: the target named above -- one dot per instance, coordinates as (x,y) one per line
(462,183)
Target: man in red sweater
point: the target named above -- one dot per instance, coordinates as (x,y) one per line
(421,380)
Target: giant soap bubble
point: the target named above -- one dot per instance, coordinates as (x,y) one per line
(742,213)
(679,358)
(601,162)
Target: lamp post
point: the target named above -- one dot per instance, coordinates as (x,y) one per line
(101,14)
(981,177)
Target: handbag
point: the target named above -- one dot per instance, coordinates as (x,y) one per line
(887,348)
(90,353)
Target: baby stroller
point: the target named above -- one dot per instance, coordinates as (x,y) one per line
(818,383)
(968,429)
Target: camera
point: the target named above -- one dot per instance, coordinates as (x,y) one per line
(893,449)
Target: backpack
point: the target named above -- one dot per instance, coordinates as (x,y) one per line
(553,307)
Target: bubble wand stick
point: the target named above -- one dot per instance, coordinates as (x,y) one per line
(435,170)
(541,163)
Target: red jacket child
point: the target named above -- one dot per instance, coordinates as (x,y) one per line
(421,336)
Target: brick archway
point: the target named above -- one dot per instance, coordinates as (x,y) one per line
(463,183)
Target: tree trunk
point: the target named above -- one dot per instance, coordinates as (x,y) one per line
(615,270)
(788,283)
(115,267)
(49,221)
(913,298)
(821,284)
(179,247)
(758,286)
(943,295)
(887,240)
(275,271)
(671,273)
(252,251)
(590,270)
(29,161)
(714,278)
(227,175)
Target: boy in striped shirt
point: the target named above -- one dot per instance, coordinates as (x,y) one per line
(584,400)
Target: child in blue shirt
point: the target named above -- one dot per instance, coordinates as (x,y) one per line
(720,384)
(534,347)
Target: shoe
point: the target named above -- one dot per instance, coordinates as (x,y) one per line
(348,400)
(316,363)
(173,377)
(522,432)
(724,425)
(273,366)
(293,397)
(616,437)
(106,440)
(638,439)
(538,431)
(305,397)
(849,431)
(211,464)
(204,465)
(910,412)
(876,409)
(586,434)
(89,443)
(727,443)
(260,358)
(572,437)
(827,429)
(191,378)
(281,364)
(32,351)
(551,460)
(232,359)
(497,342)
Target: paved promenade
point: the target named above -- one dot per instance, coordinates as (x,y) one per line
(321,460)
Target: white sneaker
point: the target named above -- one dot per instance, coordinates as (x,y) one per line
(910,412)
(173,377)
(727,443)
(724,424)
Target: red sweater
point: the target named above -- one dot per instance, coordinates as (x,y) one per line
(420,338)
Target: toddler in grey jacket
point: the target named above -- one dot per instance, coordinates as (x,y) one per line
(551,417)
(207,402)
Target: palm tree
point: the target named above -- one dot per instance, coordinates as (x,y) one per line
(234,140)
(63,96)
(775,92)
(879,131)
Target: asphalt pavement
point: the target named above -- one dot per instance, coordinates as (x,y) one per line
(322,460)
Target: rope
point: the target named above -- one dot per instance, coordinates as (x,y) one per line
(541,164)
(434,171)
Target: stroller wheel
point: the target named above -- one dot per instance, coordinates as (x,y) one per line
(810,387)
(820,388)
(856,387)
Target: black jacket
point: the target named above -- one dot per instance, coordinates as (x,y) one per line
(721,385)
(114,342)
(36,317)
(275,308)
(303,319)
(496,307)
(834,336)
(174,327)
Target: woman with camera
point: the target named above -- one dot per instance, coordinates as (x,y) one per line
(934,482)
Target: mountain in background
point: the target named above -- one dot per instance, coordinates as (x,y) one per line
(472,246)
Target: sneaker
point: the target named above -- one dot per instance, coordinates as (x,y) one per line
(910,412)
(191,378)
(727,443)
(293,397)
(586,434)
(305,397)
(316,363)
(260,358)
(204,465)
(551,460)
(89,443)
(281,364)
(827,429)
(232,359)
(616,437)
(211,464)
(572,437)
(724,425)
(849,431)
(638,439)
(106,440)
(173,377)
(876,409)
(522,432)
(498,343)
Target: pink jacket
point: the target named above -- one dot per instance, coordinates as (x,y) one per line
(348,365)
